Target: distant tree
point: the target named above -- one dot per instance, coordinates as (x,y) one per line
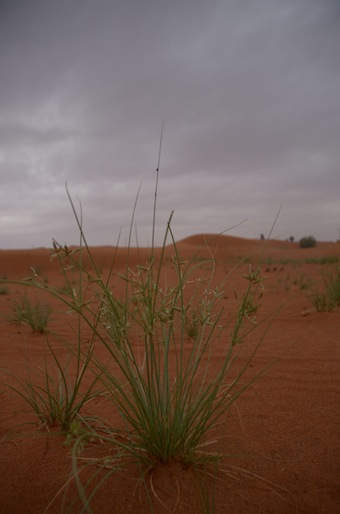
(307,242)
(291,239)
(262,237)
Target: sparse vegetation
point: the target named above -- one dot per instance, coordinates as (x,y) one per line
(326,260)
(54,397)
(35,315)
(329,300)
(303,282)
(3,289)
(331,259)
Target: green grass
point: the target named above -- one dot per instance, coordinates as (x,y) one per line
(329,300)
(303,282)
(332,259)
(55,398)
(34,314)
(248,306)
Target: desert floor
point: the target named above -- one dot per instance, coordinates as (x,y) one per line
(281,440)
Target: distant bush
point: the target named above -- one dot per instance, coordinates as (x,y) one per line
(307,242)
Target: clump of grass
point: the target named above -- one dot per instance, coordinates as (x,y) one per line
(329,300)
(4,290)
(167,394)
(303,282)
(53,396)
(35,315)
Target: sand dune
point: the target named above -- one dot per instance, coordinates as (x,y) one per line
(18,262)
(285,434)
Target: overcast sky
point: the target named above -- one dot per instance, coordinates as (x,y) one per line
(249,91)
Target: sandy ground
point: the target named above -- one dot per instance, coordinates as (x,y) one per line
(281,440)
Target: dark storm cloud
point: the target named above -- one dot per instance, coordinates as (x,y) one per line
(248,90)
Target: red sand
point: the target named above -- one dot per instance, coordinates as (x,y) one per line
(283,437)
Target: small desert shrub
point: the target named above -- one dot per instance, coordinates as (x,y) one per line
(329,300)
(35,315)
(307,242)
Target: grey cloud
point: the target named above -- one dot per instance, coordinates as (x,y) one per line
(248,90)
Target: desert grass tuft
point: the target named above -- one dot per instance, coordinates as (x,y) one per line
(35,315)
(329,300)
(167,393)
(55,397)
(55,391)
(303,282)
